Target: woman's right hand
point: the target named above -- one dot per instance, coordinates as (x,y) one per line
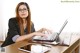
(43,30)
(39,34)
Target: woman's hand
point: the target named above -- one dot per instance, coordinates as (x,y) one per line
(38,34)
(44,30)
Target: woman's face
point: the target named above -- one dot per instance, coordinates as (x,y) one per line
(23,11)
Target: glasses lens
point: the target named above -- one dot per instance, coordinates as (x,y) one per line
(24,9)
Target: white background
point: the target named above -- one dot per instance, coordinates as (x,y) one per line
(49,14)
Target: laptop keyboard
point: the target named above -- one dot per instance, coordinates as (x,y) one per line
(49,38)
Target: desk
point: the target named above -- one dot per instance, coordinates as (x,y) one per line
(64,49)
(74,46)
(1,49)
(1,41)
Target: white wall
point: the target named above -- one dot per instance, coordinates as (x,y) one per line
(45,13)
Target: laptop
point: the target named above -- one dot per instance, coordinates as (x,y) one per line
(51,37)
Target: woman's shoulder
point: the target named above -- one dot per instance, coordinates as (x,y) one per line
(13,19)
(32,23)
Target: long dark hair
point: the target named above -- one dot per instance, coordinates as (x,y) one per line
(28,18)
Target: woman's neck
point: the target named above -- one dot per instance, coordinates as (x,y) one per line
(24,20)
(24,23)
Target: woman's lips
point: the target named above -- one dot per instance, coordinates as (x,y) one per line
(22,14)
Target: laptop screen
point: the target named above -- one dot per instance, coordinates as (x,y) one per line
(51,37)
(63,27)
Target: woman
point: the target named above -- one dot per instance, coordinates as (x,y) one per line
(21,27)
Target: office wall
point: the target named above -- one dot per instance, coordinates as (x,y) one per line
(45,13)
(2,27)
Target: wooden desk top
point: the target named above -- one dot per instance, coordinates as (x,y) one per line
(54,49)
(1,41)
(75,40)
(66,49)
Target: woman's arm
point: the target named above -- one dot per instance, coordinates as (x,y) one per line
(28,36)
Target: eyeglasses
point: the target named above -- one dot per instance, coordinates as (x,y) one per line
(24,9)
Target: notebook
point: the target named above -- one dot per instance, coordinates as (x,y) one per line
(32,48)
(50,37)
